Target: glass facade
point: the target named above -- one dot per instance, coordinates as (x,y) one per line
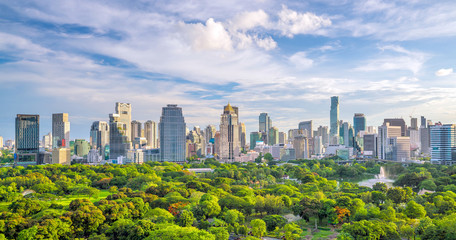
(172,134)
(359,122)
(334,116)
(443,144)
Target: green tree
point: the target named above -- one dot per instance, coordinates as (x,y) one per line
(414,210)
(273,221)
(186,219)
(219,233)
(292,231)
(397,195)
(258,227)
(380,186)
(28,234)
(86,219)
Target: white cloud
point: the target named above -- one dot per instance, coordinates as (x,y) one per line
(291,22)
(300,60)
(249,20)
(444,72)
(212,35)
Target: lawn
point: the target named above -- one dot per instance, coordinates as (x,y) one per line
(322,234)
(67,199)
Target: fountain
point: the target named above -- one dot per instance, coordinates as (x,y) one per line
(381,177)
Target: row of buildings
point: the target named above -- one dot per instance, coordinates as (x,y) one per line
(121,140)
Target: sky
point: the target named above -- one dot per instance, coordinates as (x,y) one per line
(287,58)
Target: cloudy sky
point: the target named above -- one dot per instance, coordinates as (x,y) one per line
(287,58)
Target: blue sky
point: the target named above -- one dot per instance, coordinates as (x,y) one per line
(287,58)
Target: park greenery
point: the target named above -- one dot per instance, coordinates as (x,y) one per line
(295,200)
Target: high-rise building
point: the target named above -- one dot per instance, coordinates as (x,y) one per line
(282,138)
(301,146)
(242,133)
(324,133)
(273,136)
(27,139)
(229,134)
(401,148)
(307,128)
(347,134)
(81,147)
(118,139)
(254,138)
(425,140)
(172,134)
(136,129)
(397,122)
(195,143)
(370,144)
(124,112)
(60,130)
(61,156)
(1,142)
(384,143)
(150,132)
(99,136)
(414,123)
(264,121)
(443,144)
(334,117)
(47,140)
(423,122)
(359,122)
(209,133)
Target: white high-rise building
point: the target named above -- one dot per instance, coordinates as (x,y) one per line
(124,112)
(99,136)
(229,134)
(150,133)
(384,143)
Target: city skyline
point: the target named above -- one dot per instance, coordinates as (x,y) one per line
(384,59)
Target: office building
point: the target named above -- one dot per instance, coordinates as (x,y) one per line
(425,140)
(60,130)
(397,122)
(414,123)
(209,133)
(334,117)
(359,123)
(307,128)
(136,129)
(118,138)
(172,134)
(301,146)
(265,122)
(61,156)
(384,142)
(273,136)
(1,142)
(150,133)
(27,139)
(99,136)
(242,135)
(423,122)
(443,143)
(370,145)
(81,147)
(347,134)
(47,141)
(323,132)
(283,138)
(123,110)
(229,134)
(254,138)
(401,148)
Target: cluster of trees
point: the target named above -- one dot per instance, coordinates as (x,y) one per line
(164,201)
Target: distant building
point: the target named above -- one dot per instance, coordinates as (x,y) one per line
(81,147)
(61,156)
(425,140)
(359,123)
(172,134)
(27,139)
(273,136)
(401,148)
(47,140)
(385,145)
(1,142)
(414,123)
(265,123)
(370,145)
(283,138)
(301,146)
(334,117)
(254,138)
(397,122)
(150,133)
(99,136)
(307,128)
(229,134)
(123,110)
(423,122)
(324,133)
(60,130)
(209,133)
(118,139)
(136,129)
(443,144)
(242,135)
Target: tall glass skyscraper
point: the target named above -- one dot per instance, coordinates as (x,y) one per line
(172,134)
(27,138)
(359,122)
(334,117)
(443,144)
(265,122)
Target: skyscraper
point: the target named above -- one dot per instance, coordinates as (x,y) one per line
(27,138)
(384,144)
(359,122)
(229,134)
(124,112)
(255,137)
(273,136)
(150,132)
(323,132)
(423,122)
(136,127)
(60,130)
(209,133)
(264,122)
(414,123)
(283,138)
(118,139)
(172,134)
(242,137)
(443,143)
(1,142)
(334,118)
(99,136)
(397,122)
(307,128)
